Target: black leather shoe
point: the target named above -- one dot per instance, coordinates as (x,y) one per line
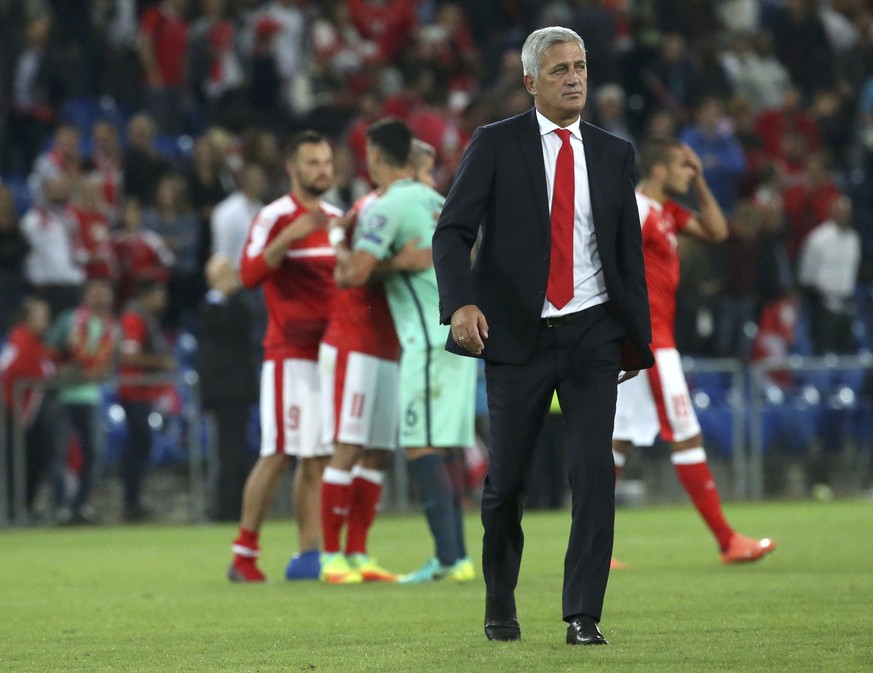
(583,631)
(501,622)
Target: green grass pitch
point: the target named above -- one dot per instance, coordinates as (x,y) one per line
(154,598)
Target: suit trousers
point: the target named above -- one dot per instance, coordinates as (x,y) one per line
(581,360)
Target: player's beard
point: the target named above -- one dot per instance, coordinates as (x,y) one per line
(315,188)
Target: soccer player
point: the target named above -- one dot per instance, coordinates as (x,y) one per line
(437,389)
(658,401)
(358,362)
(288,252)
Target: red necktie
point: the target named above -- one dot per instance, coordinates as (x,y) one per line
(560,288)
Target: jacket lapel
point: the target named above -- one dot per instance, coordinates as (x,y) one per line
(596,185)
(532,148)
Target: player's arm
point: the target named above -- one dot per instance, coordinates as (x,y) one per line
(710,224)
(263,255)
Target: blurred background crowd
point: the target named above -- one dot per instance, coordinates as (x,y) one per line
(138,137)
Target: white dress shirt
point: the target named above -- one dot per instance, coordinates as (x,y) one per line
(588,283)
(829,261)
(230,222)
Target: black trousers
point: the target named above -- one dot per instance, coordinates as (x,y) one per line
(135,457)
(235,461)
(580,360)
(83,421)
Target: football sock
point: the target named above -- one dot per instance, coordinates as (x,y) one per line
(366,493)
(455,472)
(619,459)
(336,494)
(429,476)
(246,544)
(693,472)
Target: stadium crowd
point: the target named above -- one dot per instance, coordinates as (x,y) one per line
(139,137)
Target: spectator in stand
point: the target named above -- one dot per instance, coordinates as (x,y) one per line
(63,158)
(714,142)
(140,252)
(264,84)
(86,339)
(215,72)
(143,165)
(33,84)
(834,119)
(144,351)
(163,44)
(14,248)
(609,101)
(855,65)
(262,148)
(228,380)
(669,77)
(174,221)
(389,23)
(107,162)
(865,123)
(808,200)
(208,183)
(54,265)
(790,115)
(90,210)
(288,41)
(232,217)
(828,272)
(25,356)
(802,45)
(756,73)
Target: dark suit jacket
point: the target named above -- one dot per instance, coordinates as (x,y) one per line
(501,184)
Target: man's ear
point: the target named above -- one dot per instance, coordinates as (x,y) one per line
(530,84)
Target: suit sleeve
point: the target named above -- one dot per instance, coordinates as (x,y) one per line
(459,222)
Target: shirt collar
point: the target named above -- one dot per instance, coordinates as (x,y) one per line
(547,126)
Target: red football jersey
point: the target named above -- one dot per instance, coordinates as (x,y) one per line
(660,225)
(300,291)
(361,320)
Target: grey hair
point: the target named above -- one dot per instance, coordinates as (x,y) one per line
(540,40)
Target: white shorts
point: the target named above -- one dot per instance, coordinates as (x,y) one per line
(290,400)
(359,403)
(656,402)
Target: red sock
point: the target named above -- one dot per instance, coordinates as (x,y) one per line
(366,493)
(693,472)
(336,493)
(246,544)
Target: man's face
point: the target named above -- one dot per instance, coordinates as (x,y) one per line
(560,89)
(679,173)
(98,296)
(311,170)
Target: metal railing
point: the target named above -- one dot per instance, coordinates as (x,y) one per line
(17,450)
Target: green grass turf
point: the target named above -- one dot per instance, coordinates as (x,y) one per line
(154,598)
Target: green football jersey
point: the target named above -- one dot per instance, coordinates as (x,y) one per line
(407,210)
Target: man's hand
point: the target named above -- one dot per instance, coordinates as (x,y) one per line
(692,159)
(412,258)
(302,227)
(470,329)
(627,376)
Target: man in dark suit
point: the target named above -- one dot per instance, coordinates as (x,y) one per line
(555,300)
